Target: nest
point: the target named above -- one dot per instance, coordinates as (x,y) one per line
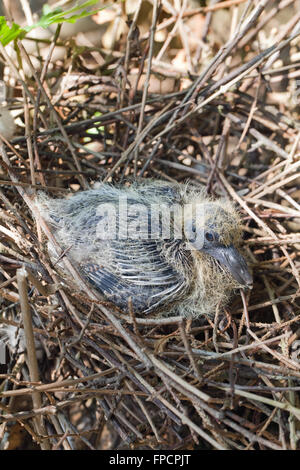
(93,377)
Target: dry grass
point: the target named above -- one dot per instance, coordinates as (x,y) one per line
(228,117)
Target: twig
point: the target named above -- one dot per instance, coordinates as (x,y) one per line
(31,354)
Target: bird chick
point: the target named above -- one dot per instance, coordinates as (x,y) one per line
(168,247)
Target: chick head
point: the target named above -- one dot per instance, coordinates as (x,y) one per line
(213,228)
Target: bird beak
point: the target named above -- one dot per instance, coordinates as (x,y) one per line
(232,259)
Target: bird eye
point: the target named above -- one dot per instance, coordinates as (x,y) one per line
(209,236)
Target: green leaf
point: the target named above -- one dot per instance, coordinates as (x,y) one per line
(56,16)
(8,34)
(64,16)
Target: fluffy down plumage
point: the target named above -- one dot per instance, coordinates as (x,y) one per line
(168,247)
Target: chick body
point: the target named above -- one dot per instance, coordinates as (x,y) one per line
(138,242)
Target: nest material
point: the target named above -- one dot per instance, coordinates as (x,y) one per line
(227,383)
